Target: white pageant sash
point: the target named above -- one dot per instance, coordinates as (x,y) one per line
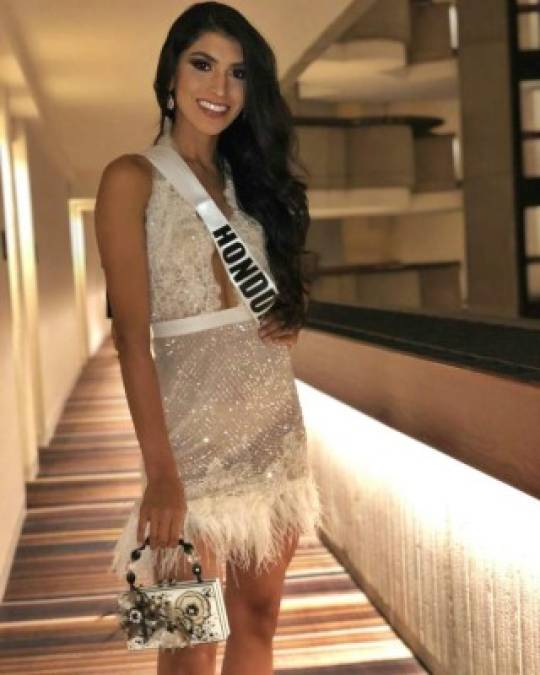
(255,285)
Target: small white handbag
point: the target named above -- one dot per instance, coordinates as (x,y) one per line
(172,614)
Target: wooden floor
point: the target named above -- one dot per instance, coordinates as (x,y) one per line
(59,586)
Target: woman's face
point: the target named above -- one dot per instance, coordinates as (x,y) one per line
(210,71)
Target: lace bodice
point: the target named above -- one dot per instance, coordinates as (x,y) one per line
(180,248)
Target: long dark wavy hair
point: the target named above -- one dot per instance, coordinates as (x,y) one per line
(260,145)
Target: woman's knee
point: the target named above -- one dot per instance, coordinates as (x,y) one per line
(258,615)
(253,599)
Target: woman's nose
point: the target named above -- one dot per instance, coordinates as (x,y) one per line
(219,84)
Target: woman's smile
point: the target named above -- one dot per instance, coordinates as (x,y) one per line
(212,109)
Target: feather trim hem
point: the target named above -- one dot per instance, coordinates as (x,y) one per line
(245,529)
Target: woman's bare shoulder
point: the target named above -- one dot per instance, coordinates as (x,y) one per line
(129,172)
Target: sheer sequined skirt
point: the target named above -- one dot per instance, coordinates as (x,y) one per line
(236,431)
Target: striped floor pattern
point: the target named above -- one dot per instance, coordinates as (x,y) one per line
(50,619)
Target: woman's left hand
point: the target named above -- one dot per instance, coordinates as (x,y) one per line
(271,330)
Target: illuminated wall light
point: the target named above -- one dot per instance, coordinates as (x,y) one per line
(29,298)
(454,30)
(529,30)
(457,158)
(24,210)
(8,199)
(78,256)
(495,521)
(91,332)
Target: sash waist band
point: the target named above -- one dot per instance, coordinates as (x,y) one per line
(190,324)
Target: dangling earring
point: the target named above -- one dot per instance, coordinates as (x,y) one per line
(167,125)
(170,101)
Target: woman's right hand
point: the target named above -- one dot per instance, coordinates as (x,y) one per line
(164,505)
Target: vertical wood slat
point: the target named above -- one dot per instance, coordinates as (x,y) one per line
(506,611)
(529,603)
(441,575)
(460,589)
(481,595)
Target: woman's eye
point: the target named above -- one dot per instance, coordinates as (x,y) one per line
(199,64)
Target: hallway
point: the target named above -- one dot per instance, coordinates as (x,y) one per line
(418,366)
(59,585)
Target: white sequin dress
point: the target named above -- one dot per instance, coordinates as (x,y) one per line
(230,401)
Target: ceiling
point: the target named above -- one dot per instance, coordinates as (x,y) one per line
(82,71)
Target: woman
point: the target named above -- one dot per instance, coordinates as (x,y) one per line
(214,406)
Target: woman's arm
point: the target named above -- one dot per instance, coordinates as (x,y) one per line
(123,194)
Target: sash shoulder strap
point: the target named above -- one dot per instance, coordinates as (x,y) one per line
(256,287)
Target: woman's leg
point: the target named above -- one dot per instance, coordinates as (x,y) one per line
(253,603)
(199,659)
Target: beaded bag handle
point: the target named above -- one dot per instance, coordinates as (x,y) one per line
(196,567)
